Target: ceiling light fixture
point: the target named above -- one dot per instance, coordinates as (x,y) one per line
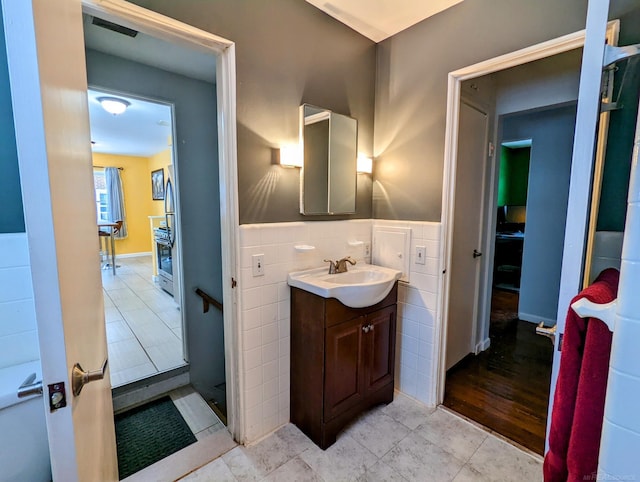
(113,105)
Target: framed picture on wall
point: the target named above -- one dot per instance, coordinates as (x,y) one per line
(157,185)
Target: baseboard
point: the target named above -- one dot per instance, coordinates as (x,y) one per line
(133,255)
(483,345)
(143,391)
(536,319)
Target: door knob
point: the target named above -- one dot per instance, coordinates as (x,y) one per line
(476,254)
(79,377)
(547,331)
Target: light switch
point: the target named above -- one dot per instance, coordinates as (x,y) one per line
(421,253)
(257,262)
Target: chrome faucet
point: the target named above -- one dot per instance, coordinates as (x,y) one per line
(339,266)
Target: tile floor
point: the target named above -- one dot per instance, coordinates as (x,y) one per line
(403,441)
(144,327)
(202,421)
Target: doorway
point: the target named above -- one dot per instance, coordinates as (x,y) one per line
(506,368)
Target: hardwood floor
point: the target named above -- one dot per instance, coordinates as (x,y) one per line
(506,388)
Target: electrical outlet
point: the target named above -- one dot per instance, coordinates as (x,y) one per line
(367,250)
(421,254)
(257,263)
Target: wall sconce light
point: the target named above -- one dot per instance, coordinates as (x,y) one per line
(113,105)
(291,156)
(364,164)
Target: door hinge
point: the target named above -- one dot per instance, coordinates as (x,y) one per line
(491,149)
(234,283)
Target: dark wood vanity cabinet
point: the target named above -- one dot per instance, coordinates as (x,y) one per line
(342,361)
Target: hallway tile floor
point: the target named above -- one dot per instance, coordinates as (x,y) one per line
(404,441)
(144,327)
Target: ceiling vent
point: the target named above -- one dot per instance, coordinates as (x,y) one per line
(99,22)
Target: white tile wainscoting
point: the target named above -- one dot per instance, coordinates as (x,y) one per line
(18,328)
(264,303)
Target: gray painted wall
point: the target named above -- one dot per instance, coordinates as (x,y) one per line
(196,138)
(288,53)
(411,90)
(549,81)
(551,132)
(11,214)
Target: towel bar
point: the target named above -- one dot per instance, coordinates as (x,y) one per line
(605,312)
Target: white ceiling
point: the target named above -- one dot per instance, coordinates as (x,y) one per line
(380,19)
(142,130)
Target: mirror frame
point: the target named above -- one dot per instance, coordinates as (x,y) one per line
(329,115)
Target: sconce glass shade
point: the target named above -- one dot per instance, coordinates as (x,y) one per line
(291,156)
(364,164)
(113,105)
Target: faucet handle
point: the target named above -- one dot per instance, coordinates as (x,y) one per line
(332,265)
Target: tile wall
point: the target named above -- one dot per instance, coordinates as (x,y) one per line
(418,314)
(264,307)
(18,328)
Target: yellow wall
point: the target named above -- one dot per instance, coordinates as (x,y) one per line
(160,160)
(136,184)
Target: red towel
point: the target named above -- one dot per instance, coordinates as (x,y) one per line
(578,406)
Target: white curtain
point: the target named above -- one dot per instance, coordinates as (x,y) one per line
(115,199)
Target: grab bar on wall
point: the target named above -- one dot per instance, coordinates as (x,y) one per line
(208,300)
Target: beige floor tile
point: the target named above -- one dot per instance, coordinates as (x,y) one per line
(468,474)
(296,470)
(129,304)
(499,460)
(131,374)
(177,332)
(195,411)
(140,317)
(344,460)
(213,471)
(381,472)
(112,314)
(367,432)
(414,457)
(124,293)
(407,411)
(154,333)
(208,431)
(166,355)
(172,318)
(118,331)
(126,354)
(453,434)
(241,466)
(161,304)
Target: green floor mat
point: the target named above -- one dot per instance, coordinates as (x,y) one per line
(149,433)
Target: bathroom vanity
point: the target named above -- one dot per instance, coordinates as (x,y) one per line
(342,361)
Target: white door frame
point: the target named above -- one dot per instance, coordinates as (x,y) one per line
(529,54)
(172,30)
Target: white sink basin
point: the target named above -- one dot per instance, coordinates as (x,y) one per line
(363,285)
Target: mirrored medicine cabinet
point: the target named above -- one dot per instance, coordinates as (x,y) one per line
(328,178)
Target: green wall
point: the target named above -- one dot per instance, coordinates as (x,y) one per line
(514,176)
(615,180)
(11,214)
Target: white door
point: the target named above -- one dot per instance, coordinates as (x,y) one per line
(48,86)
(581,171)
(467,231)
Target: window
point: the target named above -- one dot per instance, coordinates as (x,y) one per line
(99,184)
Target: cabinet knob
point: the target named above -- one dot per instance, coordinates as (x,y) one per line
(365,328)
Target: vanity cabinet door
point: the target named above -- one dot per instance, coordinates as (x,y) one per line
(380,344)
(344,374)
